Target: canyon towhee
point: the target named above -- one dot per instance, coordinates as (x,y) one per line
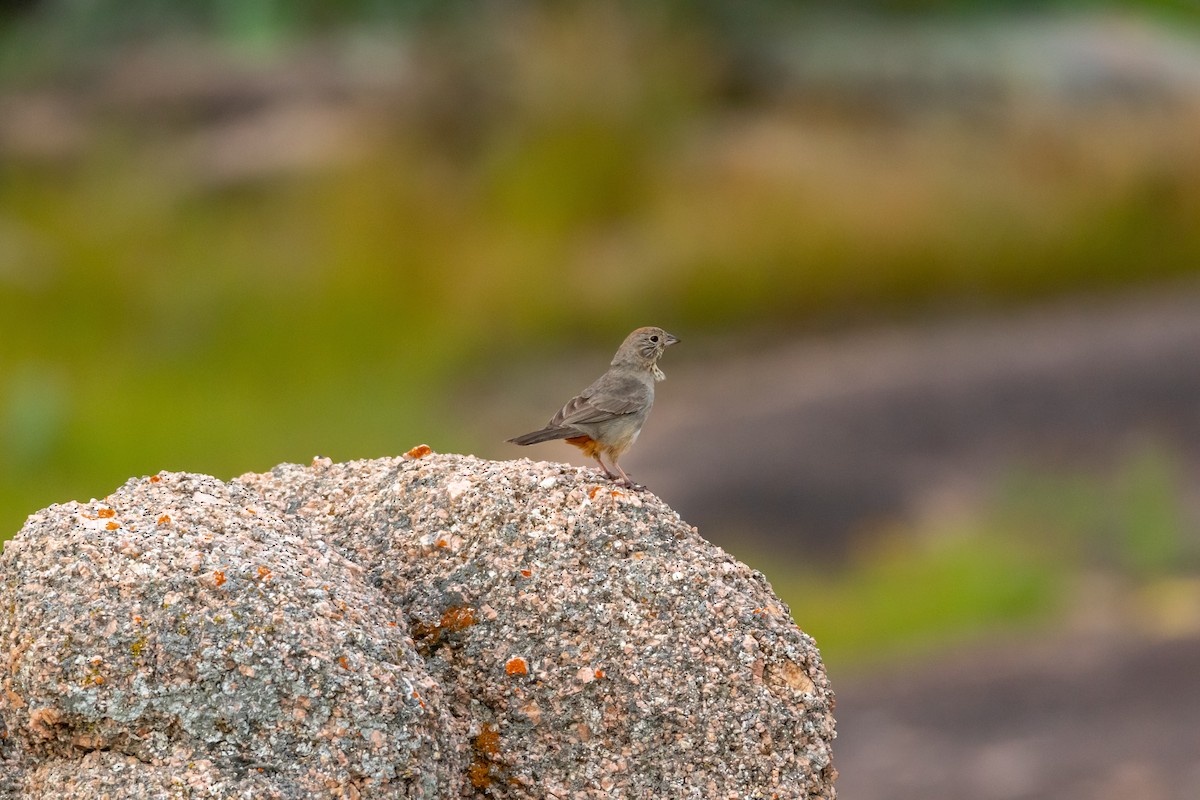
(606,417)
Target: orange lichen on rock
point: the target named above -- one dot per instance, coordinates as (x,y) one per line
(164,520)
(488,741)
(599,674)
(517,666)
(155,479)
(420,451)
(264,573)
(484,769)
(480,773)
(457,618)
(219,577)
(112,526)
(454,619)
(106,513)
(343,662)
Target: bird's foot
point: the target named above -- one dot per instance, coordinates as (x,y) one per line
(629,484)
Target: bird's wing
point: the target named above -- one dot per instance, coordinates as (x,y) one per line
(613,395)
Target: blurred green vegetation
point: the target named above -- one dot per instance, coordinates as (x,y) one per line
(173,295)
(1022,561)
(920,595)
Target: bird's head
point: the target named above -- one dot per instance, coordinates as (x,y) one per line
(643,348)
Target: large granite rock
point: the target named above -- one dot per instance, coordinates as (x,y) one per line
(421,627)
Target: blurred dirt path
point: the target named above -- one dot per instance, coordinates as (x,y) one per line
(1075,719)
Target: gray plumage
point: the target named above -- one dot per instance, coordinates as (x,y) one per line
(606,417)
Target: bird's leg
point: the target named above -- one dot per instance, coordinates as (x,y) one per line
(624,477)
(604,467)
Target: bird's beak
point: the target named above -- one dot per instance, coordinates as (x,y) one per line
(670,340)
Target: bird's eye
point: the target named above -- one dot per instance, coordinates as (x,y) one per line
(654,338)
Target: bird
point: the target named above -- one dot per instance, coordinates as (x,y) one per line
(606,417)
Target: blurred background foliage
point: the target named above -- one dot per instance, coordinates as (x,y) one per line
(239,233)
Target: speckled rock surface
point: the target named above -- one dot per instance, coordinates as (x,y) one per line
(428,627)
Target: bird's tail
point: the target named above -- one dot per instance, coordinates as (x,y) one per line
(544,435)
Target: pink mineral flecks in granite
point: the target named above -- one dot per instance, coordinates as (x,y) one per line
(349,630)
